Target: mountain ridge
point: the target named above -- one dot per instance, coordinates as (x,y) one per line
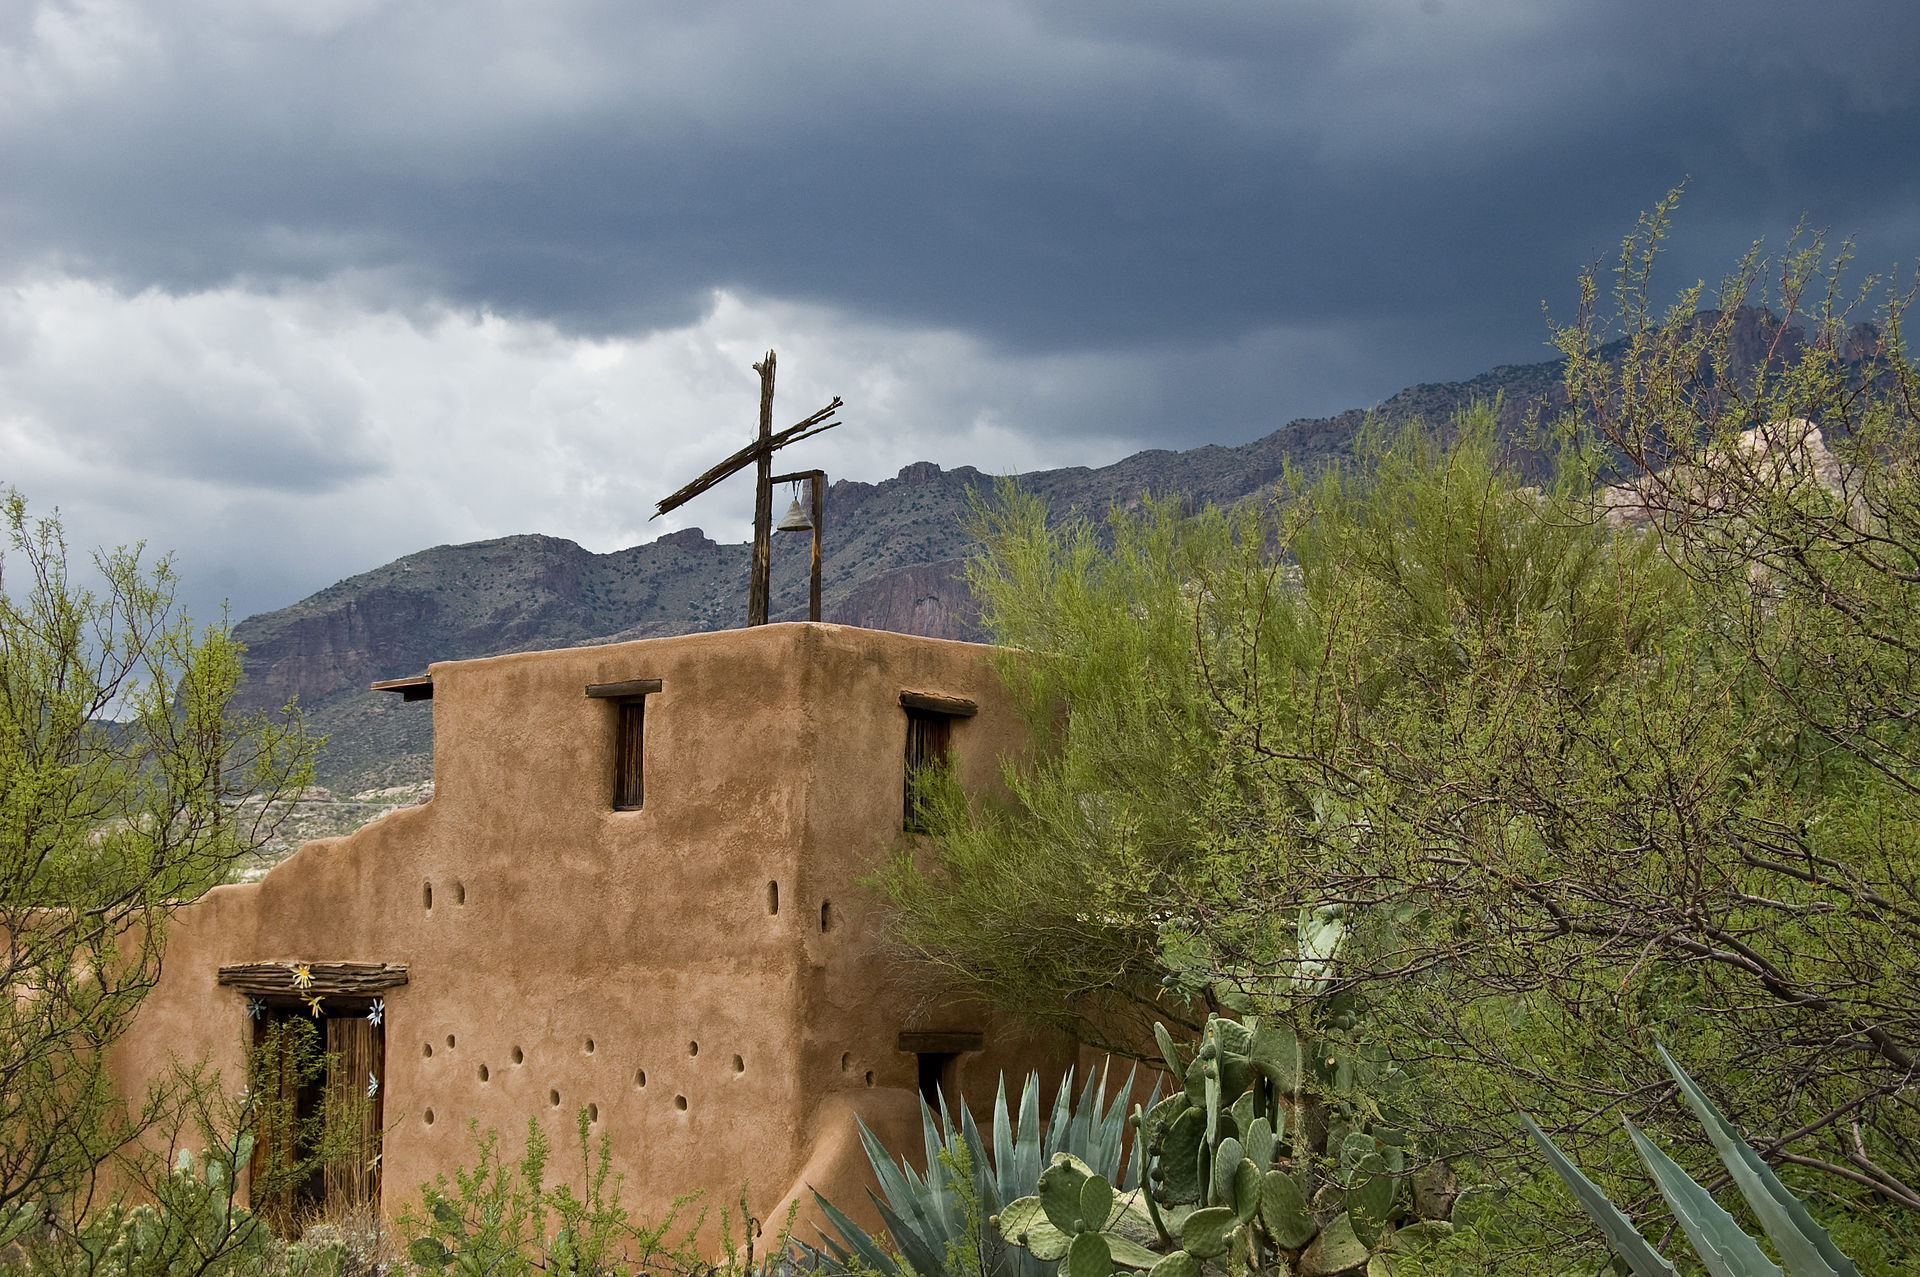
(894,559)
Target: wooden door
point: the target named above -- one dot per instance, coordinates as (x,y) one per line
(321,1081)
(356,1072)
(285,1100)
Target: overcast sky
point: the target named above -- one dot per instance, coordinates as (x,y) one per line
(294,287)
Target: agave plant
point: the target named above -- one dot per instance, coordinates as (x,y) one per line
(1722,1245)
(1260,1164)
(935,1218)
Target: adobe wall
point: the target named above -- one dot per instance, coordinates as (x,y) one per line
(633,962)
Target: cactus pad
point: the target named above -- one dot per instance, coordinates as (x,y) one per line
(1204,1234)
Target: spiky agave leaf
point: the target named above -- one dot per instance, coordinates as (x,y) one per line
(1620,1233)
(909,1204)
(916,1240)
(1723,1246)
(855,1237)
(1804,1246)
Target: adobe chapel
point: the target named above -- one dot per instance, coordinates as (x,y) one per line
(635,890)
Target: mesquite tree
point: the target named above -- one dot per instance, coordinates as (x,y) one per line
(120,775)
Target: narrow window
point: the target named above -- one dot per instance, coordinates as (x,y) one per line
(629,763)
(629,737)
(929,736)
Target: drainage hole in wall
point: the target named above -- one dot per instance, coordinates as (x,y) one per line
(693,1048)
(553,1098)
(846,1062)
(519,1056)
(589,1046)
(640,1078)
(739,1065)
(484,1075)
(426,895)
(826,914)
(773,897)
(869,1077)
(680,1102)
(449,1041)
(459,893)
(427,1117)
(593,1112)
(426,1049)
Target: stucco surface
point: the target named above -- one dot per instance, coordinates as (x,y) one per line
(573,955)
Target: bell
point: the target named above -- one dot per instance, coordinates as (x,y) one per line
(795,519)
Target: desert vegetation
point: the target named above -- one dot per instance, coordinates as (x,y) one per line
(1496,870)
(1504,783)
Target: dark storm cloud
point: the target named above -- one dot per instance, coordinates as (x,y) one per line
(299,286)
(1045,176)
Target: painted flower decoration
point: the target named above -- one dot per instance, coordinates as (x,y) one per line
(256,1007)
(302,976)
(313,1006)
(373,1086)
(378,1011)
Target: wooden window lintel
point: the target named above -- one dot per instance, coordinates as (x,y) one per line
(942,1042)
(626,691)
(324,979)
(934,703)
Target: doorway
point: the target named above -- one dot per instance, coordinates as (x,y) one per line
(320,1080)
(938,1076)
(937,1055)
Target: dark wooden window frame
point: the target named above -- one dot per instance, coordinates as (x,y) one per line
(630,736)
(930,718)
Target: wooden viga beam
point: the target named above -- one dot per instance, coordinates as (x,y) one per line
(323,979)
(745,457)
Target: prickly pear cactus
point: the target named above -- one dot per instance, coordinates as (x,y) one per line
(1077,1218)
(1258,1163)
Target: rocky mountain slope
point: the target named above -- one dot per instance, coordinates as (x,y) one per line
(895,552)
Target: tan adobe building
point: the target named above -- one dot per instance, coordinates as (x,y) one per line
(635,890)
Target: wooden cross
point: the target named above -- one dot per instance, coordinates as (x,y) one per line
(759,454)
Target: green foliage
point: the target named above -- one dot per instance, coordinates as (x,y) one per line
(935,1220)
(1555,766)
(1723,1247)
(192,1223)
(1786,484)
(1250,1168)
(1252,699)
(491,1219)
(120,772)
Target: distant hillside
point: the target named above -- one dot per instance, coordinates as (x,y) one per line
(894,556)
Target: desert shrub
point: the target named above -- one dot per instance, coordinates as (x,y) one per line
(501,1218)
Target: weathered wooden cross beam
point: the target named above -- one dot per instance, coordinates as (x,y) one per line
(759,454)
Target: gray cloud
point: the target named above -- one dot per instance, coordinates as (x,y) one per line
(260,251)
(1065,175)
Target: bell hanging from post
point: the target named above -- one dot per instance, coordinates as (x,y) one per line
(795,519)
